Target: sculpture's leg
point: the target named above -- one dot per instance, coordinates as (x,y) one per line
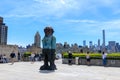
(45,66)
(52,60)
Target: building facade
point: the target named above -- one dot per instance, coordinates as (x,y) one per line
(84,43)
(98,47)
(103,45)
(8,49)
(36,46)
(3,32)
(112,46)
(37,40)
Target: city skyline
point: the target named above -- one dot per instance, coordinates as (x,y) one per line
(73,21)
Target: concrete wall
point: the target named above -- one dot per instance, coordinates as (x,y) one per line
(96,62)
(7,49)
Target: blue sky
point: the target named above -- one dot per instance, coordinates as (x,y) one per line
(72,20)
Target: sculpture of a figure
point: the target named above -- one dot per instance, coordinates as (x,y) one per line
(48,51)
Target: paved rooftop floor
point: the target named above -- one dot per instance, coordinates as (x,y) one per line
(28,71)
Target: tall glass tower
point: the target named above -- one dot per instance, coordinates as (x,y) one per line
(103,46)
(3,32)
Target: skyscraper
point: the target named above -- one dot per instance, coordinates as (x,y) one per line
(37,40)
(98,44)
(3,32)
(103,45)
(90,44)
(1,20)
(112,46)
(84,43)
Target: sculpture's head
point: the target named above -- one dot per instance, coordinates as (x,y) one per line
(48,31)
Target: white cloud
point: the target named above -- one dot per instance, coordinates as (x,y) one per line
(94,28)
(81,21)
(75,17)
(56,8)
(62,1)
(61,8)
(40,8)
(111,25)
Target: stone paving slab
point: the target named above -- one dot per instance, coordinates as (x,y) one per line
(28,71)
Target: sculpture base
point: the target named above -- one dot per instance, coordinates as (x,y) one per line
(44,67)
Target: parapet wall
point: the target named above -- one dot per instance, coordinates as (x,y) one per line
(7,49)
(95,62)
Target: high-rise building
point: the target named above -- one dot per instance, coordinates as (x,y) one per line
(3,32)
(90,44)
(117,47)
(37,40)
(103,45)
(84,43)
(1,20)
(112,46)
(98,44)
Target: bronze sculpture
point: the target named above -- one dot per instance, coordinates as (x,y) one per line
(49,46)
